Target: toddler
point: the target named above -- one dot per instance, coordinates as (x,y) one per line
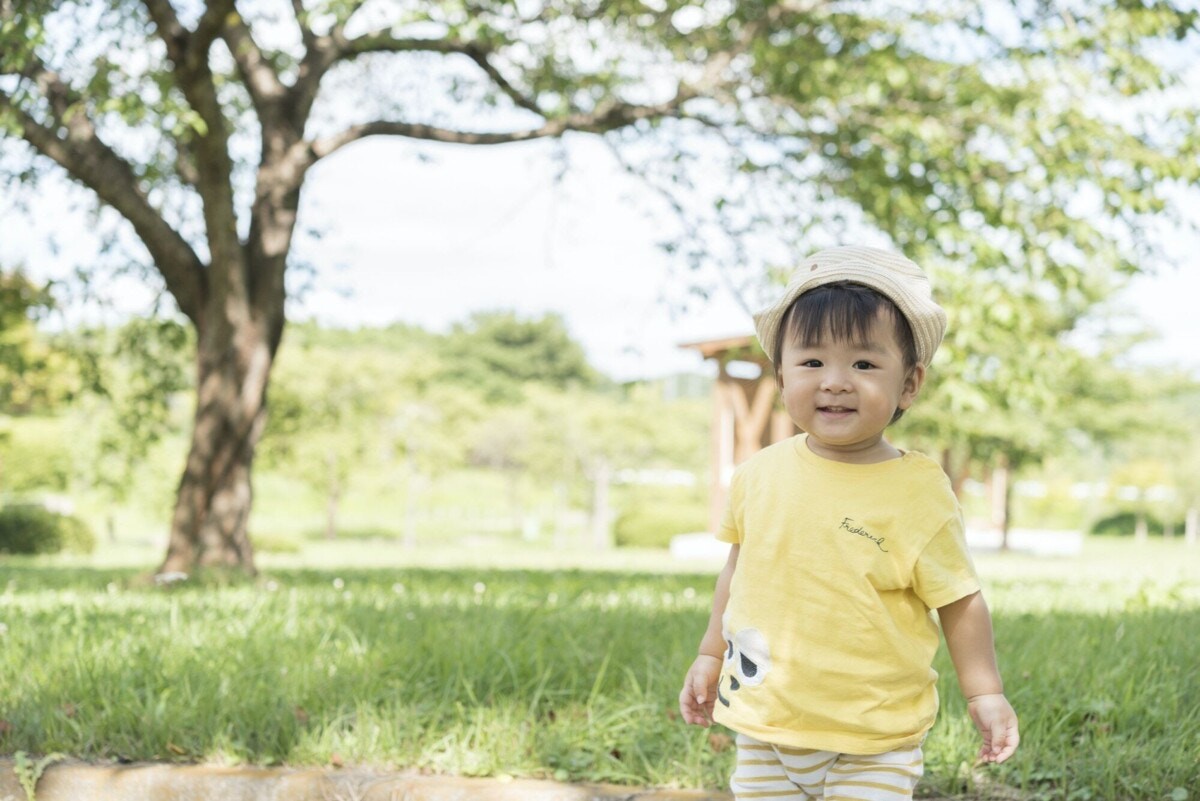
(819,649)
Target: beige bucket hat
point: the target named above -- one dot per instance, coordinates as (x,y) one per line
(891,274)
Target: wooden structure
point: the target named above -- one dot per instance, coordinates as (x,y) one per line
(747,415)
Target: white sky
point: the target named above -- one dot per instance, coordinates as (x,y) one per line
(428,242)
(492,228)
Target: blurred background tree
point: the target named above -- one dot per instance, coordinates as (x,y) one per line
(31,381)
(497,352)
(32,373)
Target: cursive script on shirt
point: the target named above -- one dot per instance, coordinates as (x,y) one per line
(854,528)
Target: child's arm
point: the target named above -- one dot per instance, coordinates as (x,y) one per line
(700,685)
(967,627)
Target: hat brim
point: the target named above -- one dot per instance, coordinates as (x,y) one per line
(897,279)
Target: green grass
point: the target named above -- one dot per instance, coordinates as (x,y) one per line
(560,673)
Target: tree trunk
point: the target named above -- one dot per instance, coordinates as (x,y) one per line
(1141,528)
(1191,526)
(334,497)
(560,514)
(516,510)
(410,501)
(955,470)
(212,508)
(601,522)
(1001,499)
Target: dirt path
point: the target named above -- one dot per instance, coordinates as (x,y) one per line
(78,781)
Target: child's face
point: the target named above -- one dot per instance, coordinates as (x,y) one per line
(844,394)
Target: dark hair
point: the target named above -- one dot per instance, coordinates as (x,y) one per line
(844,310)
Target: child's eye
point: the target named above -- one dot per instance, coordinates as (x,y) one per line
(863,365)
(811,363)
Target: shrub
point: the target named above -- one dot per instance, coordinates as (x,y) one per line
(1124,524)
(354,533)
(274,543)
(651,522)
(31,529)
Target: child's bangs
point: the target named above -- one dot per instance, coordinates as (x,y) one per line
(843,312)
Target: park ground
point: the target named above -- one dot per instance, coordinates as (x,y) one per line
(512,663)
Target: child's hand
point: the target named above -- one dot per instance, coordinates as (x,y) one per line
(700,690)
(997,722)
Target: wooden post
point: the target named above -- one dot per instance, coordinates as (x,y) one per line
(745,417)
(722,437)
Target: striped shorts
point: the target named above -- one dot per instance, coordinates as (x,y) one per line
(799,774)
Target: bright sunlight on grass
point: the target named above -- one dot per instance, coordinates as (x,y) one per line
(569,674)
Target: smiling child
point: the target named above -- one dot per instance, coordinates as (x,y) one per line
(820,645)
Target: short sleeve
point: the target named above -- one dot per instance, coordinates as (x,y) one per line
(944,572)
(731,523)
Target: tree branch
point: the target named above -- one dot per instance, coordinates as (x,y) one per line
(211,23)
(170,29)
(188,52)
(325,51)
(306,32)
(258,75)
(607,117)
(480,56)
(383,42)
(320,55)
(90,161)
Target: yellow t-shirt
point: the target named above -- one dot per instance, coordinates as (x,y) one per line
(828,630)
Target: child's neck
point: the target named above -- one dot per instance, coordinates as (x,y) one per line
(869,452)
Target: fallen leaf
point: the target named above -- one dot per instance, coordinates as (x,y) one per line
(719,742)
(174,749)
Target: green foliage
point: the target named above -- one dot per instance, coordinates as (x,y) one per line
(139,374)
(32,529)
(29,771)
(19,298)
(362,418)
(35,375)
(35,455)
(356,410)
(345,403)
(496,354)
(1125,524)
(649,519)
(1164,454)
(975,140)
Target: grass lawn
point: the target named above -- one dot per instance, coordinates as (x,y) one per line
(561,665)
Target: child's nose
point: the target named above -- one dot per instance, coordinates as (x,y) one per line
(835,379)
